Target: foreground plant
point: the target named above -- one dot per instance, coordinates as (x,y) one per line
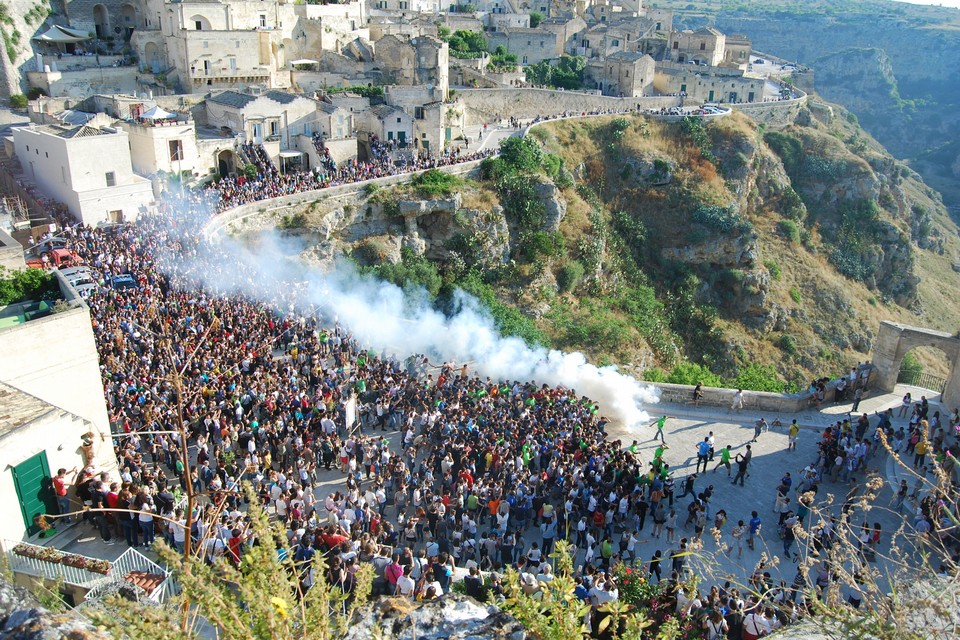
(262,598)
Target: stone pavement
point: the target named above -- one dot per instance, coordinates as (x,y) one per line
(687,425)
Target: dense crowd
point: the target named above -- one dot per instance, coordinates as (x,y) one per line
(232,191)
(443,471)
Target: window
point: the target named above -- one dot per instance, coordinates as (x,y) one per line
(676,44)
(176,150)
(206,45)
(404,6)
(237,44)
(703,46)
(63,174)
(263,20)
(198,24)
(418,113)
(111,179)
(274,128)
(233,63)
(398,119)
(525,61)
(382,4)
(616,42)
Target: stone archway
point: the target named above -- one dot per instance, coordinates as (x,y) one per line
(895,340)
(101,21)
(226,163)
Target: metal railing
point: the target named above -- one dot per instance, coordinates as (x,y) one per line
(923,380)
(133,560)
(129,560)
(51,570)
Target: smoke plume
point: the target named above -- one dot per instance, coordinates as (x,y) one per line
(386,318)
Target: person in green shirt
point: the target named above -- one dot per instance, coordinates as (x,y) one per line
(659,434)
(724,460)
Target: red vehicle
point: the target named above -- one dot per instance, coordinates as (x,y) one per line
(60,258)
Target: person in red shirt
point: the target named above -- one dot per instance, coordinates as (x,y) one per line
(60,488)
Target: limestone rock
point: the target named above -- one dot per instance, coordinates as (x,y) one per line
(22,618)
(554,202)
(452,617)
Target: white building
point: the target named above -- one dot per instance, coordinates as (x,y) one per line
(51,394)
(163,145)
(87,169)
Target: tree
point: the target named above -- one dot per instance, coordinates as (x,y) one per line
(464,41)
(524,155)
(535,19)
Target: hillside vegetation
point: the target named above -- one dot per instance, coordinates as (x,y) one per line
(722,251)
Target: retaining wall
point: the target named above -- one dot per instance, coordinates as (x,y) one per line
(483,105)
(240,212)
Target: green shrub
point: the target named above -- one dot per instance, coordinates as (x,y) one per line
(524,155)
(568,275)
(757,377)
(911,365)
(788,344)
(692,374)
(723,219)
(434,183)
(654,375)
(18,101)
(795,295)
(789,230)
(26,284)
(35,92)
(250,171)
(788,147)
(773,268)
(508,320)
(542,243)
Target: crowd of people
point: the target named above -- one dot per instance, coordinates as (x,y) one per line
(443,471)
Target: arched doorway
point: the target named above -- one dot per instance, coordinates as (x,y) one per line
(129,16)
(895,341)
(226,163)
(151,57)
(101,20)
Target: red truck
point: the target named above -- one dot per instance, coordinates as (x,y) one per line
(59,258)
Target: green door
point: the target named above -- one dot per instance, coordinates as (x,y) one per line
(34,489)
(710,99)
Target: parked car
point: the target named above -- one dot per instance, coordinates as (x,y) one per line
(123,281)
(86,288)
(73,272)
(58,258)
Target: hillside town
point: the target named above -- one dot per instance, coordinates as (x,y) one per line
(159,371)
(199,91)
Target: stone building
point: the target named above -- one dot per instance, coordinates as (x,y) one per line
(707,84)
(737,50)
(54,410)
(423,60)
(88,169)
(529,45)
(705,46)
(567,31)
(626,74)
(388,123)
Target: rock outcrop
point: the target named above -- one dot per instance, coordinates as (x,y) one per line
(22,618)
(452,617)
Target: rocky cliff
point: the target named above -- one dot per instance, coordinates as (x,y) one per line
(892,63)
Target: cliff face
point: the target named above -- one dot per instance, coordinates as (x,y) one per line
(893,65)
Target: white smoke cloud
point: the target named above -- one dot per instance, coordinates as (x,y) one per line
(384,317)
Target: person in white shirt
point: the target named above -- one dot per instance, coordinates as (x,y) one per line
(405,584)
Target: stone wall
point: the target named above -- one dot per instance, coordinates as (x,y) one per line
(483,105)
(773,114)
(218,223)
